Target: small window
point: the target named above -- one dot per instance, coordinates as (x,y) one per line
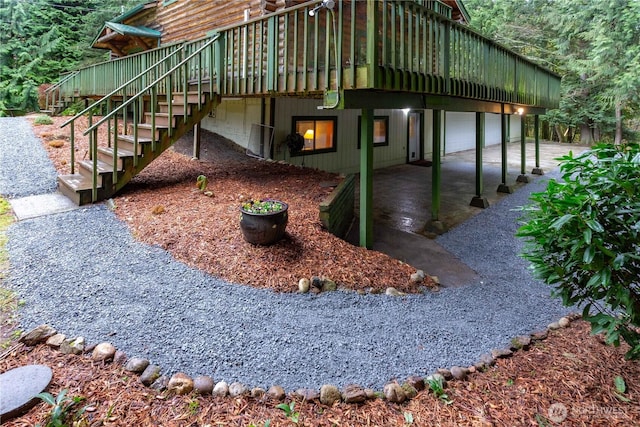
(380,131)
(320,134)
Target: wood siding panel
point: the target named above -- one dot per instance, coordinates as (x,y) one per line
(347,157)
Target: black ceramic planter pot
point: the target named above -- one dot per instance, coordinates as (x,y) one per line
(264,228)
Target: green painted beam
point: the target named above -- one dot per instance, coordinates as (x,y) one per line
(398,100)
(366,178)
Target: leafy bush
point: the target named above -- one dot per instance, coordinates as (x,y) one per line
(583,238)
(43,120)
(73,109)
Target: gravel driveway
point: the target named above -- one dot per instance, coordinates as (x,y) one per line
(83,273)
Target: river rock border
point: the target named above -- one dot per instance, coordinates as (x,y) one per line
(316,284)
(180,384)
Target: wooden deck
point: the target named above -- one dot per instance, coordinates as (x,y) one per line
(393,47)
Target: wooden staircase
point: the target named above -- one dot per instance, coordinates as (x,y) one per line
(79,186)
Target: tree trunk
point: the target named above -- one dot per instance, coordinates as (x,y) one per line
(586,134)
(618,139)
(558,131)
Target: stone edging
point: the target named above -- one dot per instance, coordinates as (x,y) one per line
(180,383)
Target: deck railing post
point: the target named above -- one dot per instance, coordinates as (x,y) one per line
(373,54)
(220,64)
(446,60)
(272,50)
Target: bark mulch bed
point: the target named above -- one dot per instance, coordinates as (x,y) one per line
(163,207)
(570,370)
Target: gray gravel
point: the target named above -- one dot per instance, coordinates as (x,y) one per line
(83,273)
(25,169)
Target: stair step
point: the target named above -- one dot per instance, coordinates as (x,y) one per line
(176,109)
(76,187)
(144,131)
(86,169)
(192,98)
(162,119)
(77,182)
(126,142)
(105,154)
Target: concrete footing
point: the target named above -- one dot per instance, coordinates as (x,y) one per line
(479,202)
(504,188)
(537,171)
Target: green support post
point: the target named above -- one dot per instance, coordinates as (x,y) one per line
(504,118)
(196,141)
(434,225)
(536,130)
(478,200)
(523,153)
(366,178)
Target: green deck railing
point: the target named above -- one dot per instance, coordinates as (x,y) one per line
(392,45)
(53,92)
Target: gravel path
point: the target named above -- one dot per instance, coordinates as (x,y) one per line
(83,273)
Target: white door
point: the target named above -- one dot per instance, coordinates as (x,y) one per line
(414,137)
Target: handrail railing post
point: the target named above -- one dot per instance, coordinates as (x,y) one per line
(135,133)
(72,142)
(94,176)
(154,102)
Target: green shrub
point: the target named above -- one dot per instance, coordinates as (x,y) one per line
(73,109)
(43,120)
(583,238)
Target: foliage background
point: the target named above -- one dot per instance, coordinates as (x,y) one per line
(593,45)
(41,39)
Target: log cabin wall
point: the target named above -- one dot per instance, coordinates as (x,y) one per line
(184,20)
(147,18)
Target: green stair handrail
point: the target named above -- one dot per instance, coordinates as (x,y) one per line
(51,89)
(107,98)
(152,88)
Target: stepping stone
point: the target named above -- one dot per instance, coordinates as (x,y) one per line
(41,205)
(18,389)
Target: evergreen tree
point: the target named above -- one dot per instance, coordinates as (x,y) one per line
(594,45)
(41,39)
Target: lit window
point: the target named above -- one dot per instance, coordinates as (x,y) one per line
(319,133)
(380,131)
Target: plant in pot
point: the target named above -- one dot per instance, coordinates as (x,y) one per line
(263,222)
(295,142)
